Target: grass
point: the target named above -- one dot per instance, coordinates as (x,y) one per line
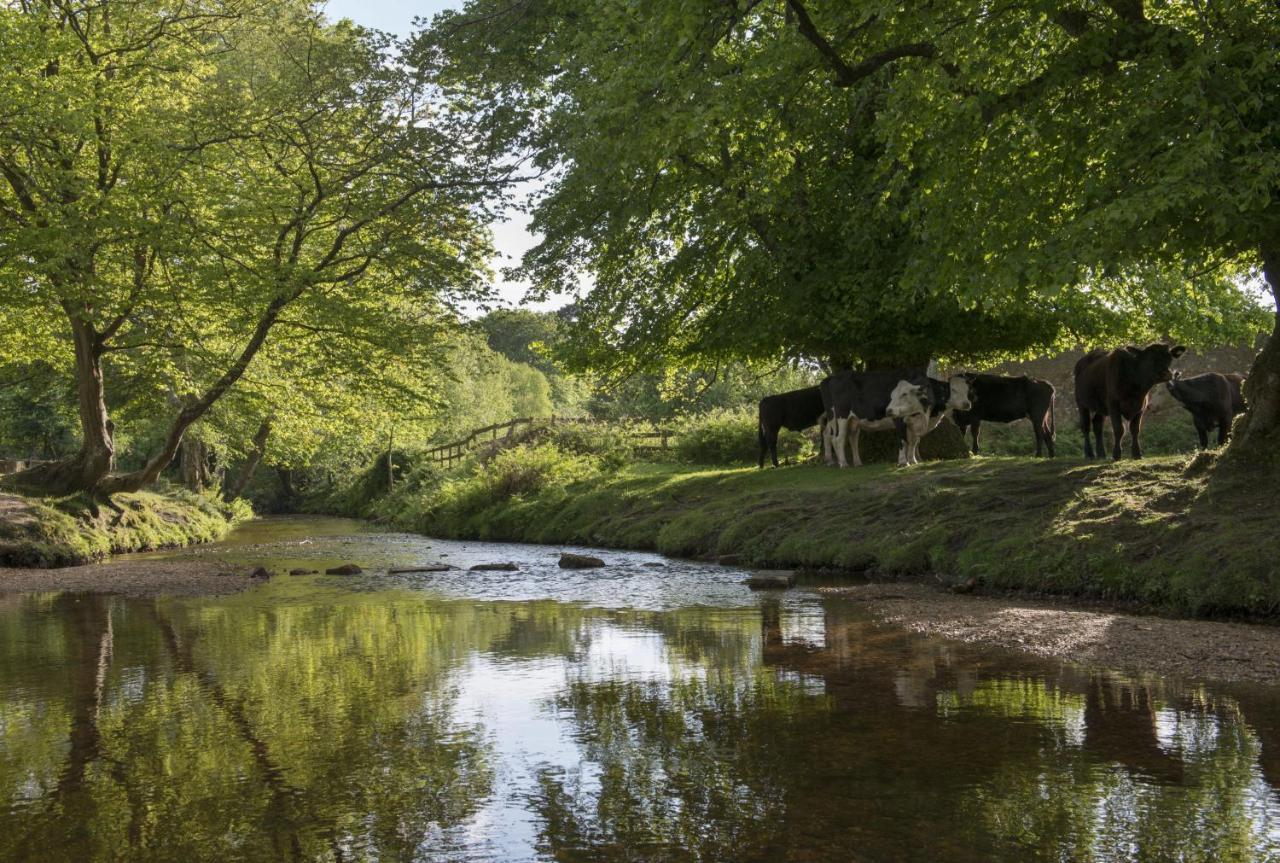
(1193,542)
(67,531)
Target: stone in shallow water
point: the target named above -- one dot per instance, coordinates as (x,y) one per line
(426,567)
(579,561)
(653,564)
(345,569)
(494,567)
(771,579)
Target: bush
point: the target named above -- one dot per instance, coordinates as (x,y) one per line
(731,437)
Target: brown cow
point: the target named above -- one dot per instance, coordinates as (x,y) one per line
(1118,384)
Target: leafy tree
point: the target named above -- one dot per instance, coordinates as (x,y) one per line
(185,187)
(862,183)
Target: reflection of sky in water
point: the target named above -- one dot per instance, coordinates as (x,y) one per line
(667,710)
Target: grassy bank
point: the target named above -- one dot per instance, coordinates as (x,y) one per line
(67,531)
(1202,543)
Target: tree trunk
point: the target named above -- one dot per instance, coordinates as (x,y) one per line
(1257,434)
(255,459)
(93,461)
(195,469)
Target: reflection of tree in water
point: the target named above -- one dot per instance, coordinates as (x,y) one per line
(296,732)
(914,749)
(692,769)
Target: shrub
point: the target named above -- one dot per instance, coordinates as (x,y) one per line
(725,437)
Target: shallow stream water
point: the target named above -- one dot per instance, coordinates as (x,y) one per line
(636,712)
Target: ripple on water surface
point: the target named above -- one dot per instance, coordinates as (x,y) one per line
(617,714)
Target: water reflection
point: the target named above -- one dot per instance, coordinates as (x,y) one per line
(303,721)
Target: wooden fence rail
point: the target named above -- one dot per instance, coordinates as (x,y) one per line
(649,441)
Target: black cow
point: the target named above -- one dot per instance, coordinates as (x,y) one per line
(1213,399)
(1118,384)
(1005,400)
(860,400)
(796,410)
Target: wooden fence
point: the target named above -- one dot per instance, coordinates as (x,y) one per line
(13,465)
(657,441)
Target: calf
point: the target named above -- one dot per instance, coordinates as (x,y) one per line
(796,410)
(1005,400)
(1118,384)
(1213,399)
(921,403)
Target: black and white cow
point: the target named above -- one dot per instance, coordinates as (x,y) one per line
(796,410)
(921,403)
(860,400)
(1005,400)
(1213,400)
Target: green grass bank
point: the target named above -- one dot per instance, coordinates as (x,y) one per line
(1200,542)
(49,532)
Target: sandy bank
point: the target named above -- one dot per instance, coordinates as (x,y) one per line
(1187,648)
(132,578)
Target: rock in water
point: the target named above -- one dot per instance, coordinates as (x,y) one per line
(426,567)
(345,569)
(653,564)
(260,574)
(579,561)
(494,567)
(771,579)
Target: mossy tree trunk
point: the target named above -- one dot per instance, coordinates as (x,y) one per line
(1257,434)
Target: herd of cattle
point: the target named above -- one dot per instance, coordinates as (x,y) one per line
(1115,384)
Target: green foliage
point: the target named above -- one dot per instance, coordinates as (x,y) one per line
(848,180)
(731,437)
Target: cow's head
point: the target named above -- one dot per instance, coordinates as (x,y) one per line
(1151,364)
(908,399)
(958,399)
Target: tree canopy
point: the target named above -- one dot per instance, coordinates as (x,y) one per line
(848,180)
(192,193)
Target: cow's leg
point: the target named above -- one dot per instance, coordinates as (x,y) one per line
(1135,435)
(904,443)
(1037,430)
(828,441)
(915,435)
(773,445)
(1085,426)
(856,429)
(1117,432)
(975,429)
(1202,430)
(842,436)
(1224,427)
(1098,421)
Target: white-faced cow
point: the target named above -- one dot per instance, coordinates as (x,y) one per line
(858,401)
(1118,384)
(1005,400)
(921,403)
(796,410)
(1213,400)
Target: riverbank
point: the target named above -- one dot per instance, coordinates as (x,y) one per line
(1198,543)
(59,532)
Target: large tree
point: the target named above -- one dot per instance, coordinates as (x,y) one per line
(845,179)
(182,185)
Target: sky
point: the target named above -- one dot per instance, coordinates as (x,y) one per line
(511,237)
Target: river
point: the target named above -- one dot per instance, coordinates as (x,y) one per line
(651,710)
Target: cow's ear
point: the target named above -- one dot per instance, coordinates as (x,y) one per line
(1177,351)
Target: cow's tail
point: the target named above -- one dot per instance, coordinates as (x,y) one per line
(1050,423)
